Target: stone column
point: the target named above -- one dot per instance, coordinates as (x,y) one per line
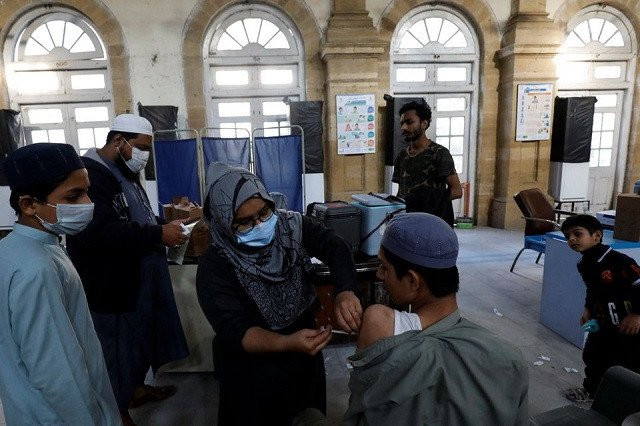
(529,46)
(351,53)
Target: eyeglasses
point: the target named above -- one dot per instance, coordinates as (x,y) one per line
(243,226)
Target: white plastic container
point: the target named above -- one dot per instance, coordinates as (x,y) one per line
(374,215)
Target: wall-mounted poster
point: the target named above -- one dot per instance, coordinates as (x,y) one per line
(534,112)
(356,124)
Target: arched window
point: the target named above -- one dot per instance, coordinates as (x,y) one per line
(434,54)
(253,59)
(58,78)
(598,59)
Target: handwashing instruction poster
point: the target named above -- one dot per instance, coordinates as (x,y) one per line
(534,112)
(356,124)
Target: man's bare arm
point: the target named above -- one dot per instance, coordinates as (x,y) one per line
(454,185)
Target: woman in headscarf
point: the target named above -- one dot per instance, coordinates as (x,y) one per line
(253,285)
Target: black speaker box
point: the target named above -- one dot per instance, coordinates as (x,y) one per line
(572,127)
(394,142)
(308,115)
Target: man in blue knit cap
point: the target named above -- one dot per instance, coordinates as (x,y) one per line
(53,371)
(429,365)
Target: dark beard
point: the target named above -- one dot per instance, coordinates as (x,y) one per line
(414,136)
(126,171)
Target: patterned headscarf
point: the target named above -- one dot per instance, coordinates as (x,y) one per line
(273,276)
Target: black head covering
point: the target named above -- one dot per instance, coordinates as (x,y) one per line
(38,163)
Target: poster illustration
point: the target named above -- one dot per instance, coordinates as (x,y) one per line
(356,124)
(534,112)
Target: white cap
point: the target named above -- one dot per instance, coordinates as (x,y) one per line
(132,123)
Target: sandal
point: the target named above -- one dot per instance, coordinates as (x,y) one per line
(147,393)
(578,395)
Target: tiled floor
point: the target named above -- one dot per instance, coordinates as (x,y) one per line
(486,284)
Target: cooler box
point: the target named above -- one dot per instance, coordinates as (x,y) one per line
(374,215)
(343,218)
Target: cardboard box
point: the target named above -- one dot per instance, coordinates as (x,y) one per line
(627,222)
(199,240)
(181,208)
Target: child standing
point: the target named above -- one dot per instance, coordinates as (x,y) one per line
(613,300)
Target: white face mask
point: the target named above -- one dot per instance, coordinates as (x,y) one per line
(72,218)
(138,158)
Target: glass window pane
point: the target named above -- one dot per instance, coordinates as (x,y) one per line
(573,40)
(419,31)
(85,138)
(84,44)
(597,121)
(611,71)
(32,49)
(409,42)
(252,26)
(101,135)
(607,31)
(275,108)
(450,104)
(606,100)
(452,74)
(236,30)
(276,76)
(448,29)
(39,136)
(595,140)
(433,26)
(72,32)
(56,136)
(86,114)
(457,162)
(87,81)
(41,35)
(457,40)
(227,43)
(242,133)
(608,120)
(37,82)
(442,126)
(595,27)
(573,71)
(56,29)
(271,128)
(279,41)
(442,140)
(287,130)
(405,75)
(593,159)
(582,30)
(45,116)
(267,31)
(615,41)
(605,158)
(232,78)
(227,130)
(606,140)
(234,109)
(457,125)
(457,145)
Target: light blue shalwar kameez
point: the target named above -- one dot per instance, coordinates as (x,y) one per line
(52,368)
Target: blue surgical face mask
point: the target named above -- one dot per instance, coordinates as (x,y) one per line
(260,235)
(72,218)
(138,159)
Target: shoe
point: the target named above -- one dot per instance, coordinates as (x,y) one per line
(578,395)
(147,393)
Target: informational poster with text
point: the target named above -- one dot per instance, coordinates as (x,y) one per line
(534,112)
(356,124)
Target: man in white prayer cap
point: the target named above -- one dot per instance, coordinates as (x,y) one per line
(121,259)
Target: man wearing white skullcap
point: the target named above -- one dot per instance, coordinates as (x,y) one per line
(429,365)
(121,259)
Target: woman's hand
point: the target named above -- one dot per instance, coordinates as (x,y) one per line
(348,311)
(309,341)
(586,316)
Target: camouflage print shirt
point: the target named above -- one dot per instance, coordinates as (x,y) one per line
(430,167)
